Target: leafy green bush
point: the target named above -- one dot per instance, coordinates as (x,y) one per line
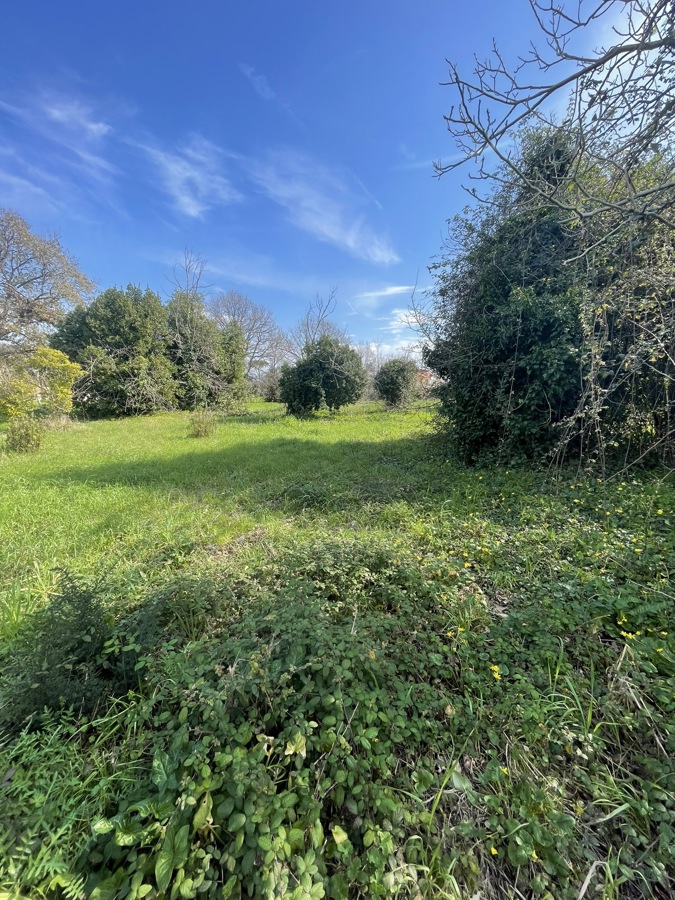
(286,743)
(330,374)
(396,382)
(54,782)
(24,435)
(202,423)
(356,721)
(55,658)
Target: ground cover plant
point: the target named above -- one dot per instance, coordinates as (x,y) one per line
(310,658)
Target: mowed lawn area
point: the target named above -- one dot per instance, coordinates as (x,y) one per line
(311,658)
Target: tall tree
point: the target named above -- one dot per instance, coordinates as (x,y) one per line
(206,358)
(39,283)
(316,323)
(506,335)
(121,341)
(264,342)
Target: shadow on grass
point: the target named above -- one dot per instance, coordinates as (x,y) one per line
(285,472)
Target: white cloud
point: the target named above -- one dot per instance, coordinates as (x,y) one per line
(69,124)
(258,81)
(400,323)
(192,176)
(319,200)
(262,87)
(390,291)
(367,302)
(74,115)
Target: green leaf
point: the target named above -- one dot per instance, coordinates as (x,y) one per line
(236,822)
(102,826)
(296,838)
(161,769)
(228,887)
(108,889)
(461,782)
(203,812)
(339,835)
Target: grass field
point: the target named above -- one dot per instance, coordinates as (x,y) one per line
(500,640)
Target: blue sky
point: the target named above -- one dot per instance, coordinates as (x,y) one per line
(288,143)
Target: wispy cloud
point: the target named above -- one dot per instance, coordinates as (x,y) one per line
(367,302)
(320,201)
(75,115)
(69,123)
(260,84)
(192,175)
(399,323)
(263,89)
(390,291)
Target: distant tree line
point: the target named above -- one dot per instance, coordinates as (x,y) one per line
(139,355)
(126,352)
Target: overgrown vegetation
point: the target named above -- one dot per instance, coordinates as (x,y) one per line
(356,669)
(548,338)
(24,435)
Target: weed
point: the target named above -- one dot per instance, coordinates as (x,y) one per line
(202,423)
(24,435)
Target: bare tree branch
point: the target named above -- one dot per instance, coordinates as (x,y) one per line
(620,109)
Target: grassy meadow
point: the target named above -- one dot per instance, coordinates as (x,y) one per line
(309,658)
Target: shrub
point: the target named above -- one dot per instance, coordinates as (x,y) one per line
(24,435)
(202,423)
(396,382)
(40,384)
(269,386)
(330,374)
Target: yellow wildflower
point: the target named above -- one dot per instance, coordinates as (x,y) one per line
(628,635)
(493,851)
(504,770)
(495,673)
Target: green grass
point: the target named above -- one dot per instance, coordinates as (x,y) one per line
(129,490)
(505,634)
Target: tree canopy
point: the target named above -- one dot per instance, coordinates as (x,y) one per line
(544,344)
(39,282)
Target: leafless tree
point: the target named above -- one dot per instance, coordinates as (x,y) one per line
(316,323)
(620,110)
(39,282)
(266,345)
(186,276)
